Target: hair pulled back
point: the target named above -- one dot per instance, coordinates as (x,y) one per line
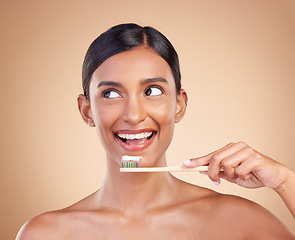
(125,37)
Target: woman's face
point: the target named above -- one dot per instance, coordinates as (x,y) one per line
(134,106)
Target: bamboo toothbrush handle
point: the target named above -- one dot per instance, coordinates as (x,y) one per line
(167,169)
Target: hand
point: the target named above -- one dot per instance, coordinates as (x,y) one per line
(242,165)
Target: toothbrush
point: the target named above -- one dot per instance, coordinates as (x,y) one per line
(131,164)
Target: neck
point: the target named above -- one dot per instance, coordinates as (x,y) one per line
(135,192)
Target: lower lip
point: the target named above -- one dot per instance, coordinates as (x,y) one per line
(136,148)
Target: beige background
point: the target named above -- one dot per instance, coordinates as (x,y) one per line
(237,61)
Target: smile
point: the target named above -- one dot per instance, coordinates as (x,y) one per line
(140,136)
(135,140)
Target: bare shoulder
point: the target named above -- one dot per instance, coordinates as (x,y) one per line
(64,223)
(45,226)
(231,217)
(248,217)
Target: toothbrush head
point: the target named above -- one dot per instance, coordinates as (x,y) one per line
(130,161)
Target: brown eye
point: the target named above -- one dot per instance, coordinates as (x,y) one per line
(111,94)
(153,91)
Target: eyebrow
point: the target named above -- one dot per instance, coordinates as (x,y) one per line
(152,80)
(109,83)
(144,82)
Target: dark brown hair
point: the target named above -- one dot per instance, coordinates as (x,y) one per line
(125,37)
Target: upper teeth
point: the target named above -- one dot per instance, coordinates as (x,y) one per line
(135,136)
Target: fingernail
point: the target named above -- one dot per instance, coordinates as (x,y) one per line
(186,162)
(216,183)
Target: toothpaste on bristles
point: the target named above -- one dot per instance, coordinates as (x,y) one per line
(130,161)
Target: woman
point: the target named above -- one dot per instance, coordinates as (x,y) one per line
(133,97)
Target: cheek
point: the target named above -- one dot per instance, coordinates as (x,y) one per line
(164,114)
(166,108)
(101,115)
(104,118)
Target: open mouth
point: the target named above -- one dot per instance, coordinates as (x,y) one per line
(135,139)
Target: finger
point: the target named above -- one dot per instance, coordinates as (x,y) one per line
(225,177)
(243,162)
(195,162)
(204,160)
(230,163)
(250,181)
(219,158)
(230,150)
(246,169)
(247,162)
(244,175)
(206,173)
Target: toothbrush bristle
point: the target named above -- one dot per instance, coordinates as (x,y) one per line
(130,161)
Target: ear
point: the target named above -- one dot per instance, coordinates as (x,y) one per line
(181,105)
(85,110)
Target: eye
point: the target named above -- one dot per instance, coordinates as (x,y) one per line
(109,93)
(153,91)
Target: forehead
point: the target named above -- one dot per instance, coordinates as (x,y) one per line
(138,63)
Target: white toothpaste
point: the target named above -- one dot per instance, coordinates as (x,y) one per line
(131,158)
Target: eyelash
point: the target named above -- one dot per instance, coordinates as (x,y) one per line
(109,90)
(154,86)
(116,91)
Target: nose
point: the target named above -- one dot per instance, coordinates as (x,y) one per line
(134,110)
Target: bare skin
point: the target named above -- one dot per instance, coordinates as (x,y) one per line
(187,212)
(134,92)
(248,168)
